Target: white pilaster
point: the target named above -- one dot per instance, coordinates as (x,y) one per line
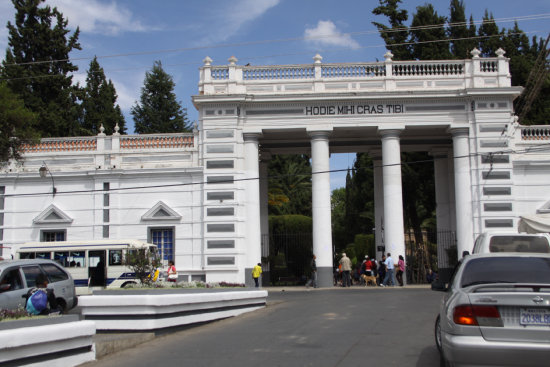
(394,231)
(378,202)
(321,209)
(463,190)
(253,224)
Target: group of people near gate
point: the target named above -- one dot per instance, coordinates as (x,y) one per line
(370,272)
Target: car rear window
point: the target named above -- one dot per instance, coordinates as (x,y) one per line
(533,270)
(509,243)
(54,273)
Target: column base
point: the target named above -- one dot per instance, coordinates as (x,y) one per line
(248,280)
(325,277)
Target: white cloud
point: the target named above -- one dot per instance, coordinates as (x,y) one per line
(326,34)
(94,16)
(229,19)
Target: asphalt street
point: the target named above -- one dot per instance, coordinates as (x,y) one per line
(316,327)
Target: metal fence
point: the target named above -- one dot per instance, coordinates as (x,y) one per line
(286,257)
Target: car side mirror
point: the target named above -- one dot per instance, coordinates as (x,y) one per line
(439,286)
(5,288)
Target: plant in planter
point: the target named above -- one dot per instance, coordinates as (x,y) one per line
(144,262)
(13,314)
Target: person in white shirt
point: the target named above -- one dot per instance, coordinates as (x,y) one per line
(390,266)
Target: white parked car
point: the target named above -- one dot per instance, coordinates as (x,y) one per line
(512,242)
(496,311)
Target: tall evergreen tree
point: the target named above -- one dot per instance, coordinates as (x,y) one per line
(158,110)
(396,35)
(490,36)
(459,32)
(428,35)
(99,103)
(37,66)
(16,123)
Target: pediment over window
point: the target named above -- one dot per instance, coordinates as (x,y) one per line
(52,214)
(544,209)
(160,212)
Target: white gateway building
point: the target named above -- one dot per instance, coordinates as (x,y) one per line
(202,197)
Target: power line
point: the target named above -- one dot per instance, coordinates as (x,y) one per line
(535,148)
(291,54)
(291,39)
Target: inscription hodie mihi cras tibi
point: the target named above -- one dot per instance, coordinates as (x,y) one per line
(366,109)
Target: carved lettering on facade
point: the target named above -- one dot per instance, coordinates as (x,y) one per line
(372,109)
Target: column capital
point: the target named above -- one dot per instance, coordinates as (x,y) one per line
(251,136)
(390,133)
(319,134)
(458,132)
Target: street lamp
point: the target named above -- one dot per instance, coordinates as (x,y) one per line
(43,171)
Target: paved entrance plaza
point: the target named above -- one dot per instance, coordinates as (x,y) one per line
(324,327)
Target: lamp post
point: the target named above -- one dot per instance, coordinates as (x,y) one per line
(43,171)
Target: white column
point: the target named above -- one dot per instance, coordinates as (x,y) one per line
(463,191)
(378,203)
(394,231)
(321,209)
(252,202)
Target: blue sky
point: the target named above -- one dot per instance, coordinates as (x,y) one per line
(129,35)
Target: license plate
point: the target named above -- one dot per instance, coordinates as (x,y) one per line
(534,316)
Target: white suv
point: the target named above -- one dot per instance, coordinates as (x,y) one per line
(18,276)
(512,242)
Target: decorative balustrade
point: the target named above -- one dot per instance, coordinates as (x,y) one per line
(415,68)
(530,133)
(61,145)
(490,66)
(269,73)
(477,72)
(126,142)
(220,73)
(156,141)
(353,71)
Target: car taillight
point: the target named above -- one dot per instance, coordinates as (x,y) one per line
(477,315)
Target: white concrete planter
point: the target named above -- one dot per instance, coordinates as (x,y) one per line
(62,341)
(159,309)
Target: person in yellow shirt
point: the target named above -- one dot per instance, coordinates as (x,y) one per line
(256,272)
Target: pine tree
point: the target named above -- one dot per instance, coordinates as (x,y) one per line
(16,123)
(428,35)
(459,32)
(158,110)
(37,66)
(396,35)
(491,36)
(99,103)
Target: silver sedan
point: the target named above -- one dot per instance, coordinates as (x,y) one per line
(496,311)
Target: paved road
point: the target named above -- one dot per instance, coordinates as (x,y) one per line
(321,327)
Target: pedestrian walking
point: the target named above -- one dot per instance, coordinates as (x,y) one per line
(400,270)
(346,269)
(382,270)
(313,280)
(256,272)
(390,266)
